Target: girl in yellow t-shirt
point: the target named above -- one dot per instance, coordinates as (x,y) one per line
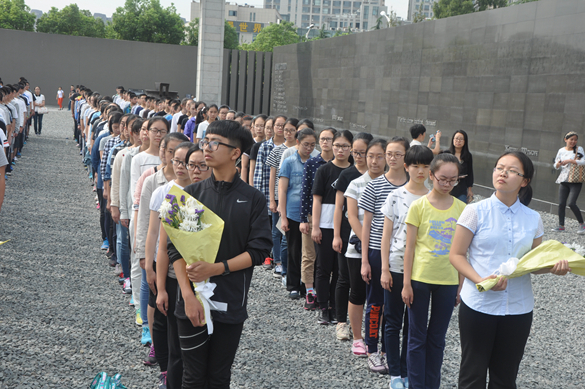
(430,225)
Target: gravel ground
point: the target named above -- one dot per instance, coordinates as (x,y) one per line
(64,318)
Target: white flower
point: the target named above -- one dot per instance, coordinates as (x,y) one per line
(576,248)
(164,209)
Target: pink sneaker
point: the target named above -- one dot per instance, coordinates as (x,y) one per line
(358,348)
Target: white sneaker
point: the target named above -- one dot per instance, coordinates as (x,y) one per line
(284,281)
(581,229)
(342,331)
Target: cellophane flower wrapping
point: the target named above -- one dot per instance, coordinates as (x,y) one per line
(546,255)
(196,233)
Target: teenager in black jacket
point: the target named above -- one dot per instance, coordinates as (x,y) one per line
(246,241)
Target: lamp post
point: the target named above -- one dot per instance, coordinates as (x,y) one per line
(309,30)
(383,13)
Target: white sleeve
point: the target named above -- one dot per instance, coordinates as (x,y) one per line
(540,229)
(582,160)
(468,219)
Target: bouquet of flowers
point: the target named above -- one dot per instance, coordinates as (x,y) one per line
(196,233)
(546,255)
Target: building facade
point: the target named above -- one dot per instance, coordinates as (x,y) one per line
(247,20)
(334,14)
(424,7)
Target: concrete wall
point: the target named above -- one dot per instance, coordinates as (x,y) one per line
(511,78)
(50,61)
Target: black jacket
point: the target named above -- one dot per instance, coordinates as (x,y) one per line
(247,229)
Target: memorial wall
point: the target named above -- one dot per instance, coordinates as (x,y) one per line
(512,78)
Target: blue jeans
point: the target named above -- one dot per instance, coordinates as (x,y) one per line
(426,344)
(396,319)
(38,122)
(279,245)
(144,293)
(123,248)
(463,198)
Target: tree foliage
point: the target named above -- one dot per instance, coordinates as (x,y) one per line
(230,36)
(273,36)
(418,17)
(15,15)
(71,21)
(487,4)
(147,21)
(445,8)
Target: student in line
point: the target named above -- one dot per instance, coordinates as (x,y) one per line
(245,242)
(259,137)
(371,202)
(324,194)
(308,262)
(417,162)
(428,274)
(268,134)
(495,325)
(342,231)
(289,207)
(211,115)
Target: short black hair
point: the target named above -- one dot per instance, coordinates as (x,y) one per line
(306,122)
(417,130)
(132,95)
(240,114)
(237,135)
(418,155)
(247,117)
(223,106)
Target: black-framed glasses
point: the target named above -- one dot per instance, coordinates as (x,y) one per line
(158,132)
(201,166)
(358,154)
(507,172)
(290,131)
(394,155)
(342,147)
(178,162)
(213,145)
(323,140)
(444,182)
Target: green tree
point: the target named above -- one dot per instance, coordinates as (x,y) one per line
(230,36)
(71,21)
(147,21)
(15,15)
(418,17)
(487,4)
(272,36)
(522,1)
(445,8)
(378,24)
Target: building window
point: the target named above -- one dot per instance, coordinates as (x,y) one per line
(337,3)
(417,7)
(375,11)
(306,2)
(305,18)
(316,10)
(336,11)
(357,4)
(426,7)
(365,24)
(346,11)
(426,14)
(327,2)
(232,13)
(333,24)
(305,25)
(347,4)
(252,16)
(306,9)
(366,11)
(315,19)
(316,2)
(325,11)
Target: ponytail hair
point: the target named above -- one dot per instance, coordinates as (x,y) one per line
(525,193)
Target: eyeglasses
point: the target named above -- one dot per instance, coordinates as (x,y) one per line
(178,162)
(323,140)
(372,156)
(358,154)
(279,125)
(259,126)
(213,145)
(158,132)
(202,167)
(459,139)
(289,131)
(394,155)
(308,145)
(342,147)
(446,182)
(507,172)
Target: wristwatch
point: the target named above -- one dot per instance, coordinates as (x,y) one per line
(227,268)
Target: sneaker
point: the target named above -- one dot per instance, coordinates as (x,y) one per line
(323,317)
(310,303)
(109,254)
(138,320)
(131,303)
(162,380)
(396,383)
(121,279)
(384,362)
(113,262)
(294,295)
(342,331)
(284,280)
(146,339)
(405,382)
(277,271)
(358,348)
(15,159)
(105,245)
(375,363)
(267,265)
(332,316)
(127,288)
(581,229)
(150,359)
(118,269)
(18,154)
(558,229)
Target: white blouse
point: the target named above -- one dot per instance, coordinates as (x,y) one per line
(563,155)
(500,232)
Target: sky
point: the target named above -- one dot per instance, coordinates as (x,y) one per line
(108,7)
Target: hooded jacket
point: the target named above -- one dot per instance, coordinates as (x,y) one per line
(247,229)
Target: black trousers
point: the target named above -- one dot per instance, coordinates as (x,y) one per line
(491,342)
(38,122)
(327,270)
(343,287)
(293,272)
(208,359)
(569,192)
(175,363)
(357,292)
(159,331)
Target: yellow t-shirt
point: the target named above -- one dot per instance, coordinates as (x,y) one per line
(435,232)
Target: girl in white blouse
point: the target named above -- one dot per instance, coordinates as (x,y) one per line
(566,157)
(494,325)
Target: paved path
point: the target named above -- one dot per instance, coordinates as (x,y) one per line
(63,317)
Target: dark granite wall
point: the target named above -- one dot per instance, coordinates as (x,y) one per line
(511,77)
